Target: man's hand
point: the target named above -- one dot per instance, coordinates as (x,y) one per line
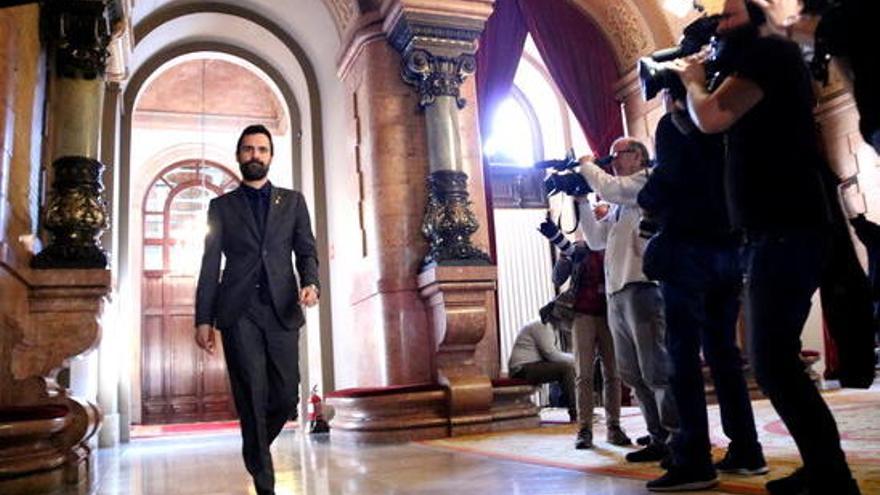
(548,229)
(308,296)
(586,159)
(205,338)
(780,13)
(690,69)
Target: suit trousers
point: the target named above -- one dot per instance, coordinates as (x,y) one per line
(591,336)
(262,358)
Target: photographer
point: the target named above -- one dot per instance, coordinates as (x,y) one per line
(635,306)
(846,30)
(776,194)
(584,300)
(695,256)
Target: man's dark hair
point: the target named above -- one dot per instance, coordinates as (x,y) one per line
(256,129)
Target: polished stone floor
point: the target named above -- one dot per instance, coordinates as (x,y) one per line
(211,465)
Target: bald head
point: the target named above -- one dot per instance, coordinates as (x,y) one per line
(630,156)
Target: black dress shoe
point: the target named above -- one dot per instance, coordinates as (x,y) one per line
(653,452)
(793,484)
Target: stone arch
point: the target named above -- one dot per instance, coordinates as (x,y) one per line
(309,93)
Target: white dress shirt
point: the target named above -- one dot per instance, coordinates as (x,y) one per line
(618,231)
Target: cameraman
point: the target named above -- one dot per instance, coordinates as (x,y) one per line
(776,194)
(845,29)
(635,306)
(696,259)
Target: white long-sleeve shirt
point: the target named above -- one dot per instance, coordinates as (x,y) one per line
(618,231)
(536,342)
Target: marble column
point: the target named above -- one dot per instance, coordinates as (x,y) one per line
(45,431)
(76,214)
(457,279)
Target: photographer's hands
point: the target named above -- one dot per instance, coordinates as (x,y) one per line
(548,229)
(690,69)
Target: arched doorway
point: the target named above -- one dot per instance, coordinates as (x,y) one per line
(186,121)
(181,383)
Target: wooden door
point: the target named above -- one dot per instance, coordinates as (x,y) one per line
(180,382)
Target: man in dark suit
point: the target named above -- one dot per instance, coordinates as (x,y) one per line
(255,302)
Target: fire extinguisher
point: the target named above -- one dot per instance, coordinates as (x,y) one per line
(317,423)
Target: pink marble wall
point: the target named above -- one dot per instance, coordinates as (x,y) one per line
(389,341)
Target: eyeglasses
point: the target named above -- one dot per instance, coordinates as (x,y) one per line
(618,153)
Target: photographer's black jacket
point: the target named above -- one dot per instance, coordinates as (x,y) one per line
(685,192)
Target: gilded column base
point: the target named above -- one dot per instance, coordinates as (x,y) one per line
(75,217)
(449,222)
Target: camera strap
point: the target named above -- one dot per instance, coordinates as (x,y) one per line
(577,219)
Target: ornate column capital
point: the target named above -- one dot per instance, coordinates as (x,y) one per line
(79,32)
(437,41)
(435,76)
(437,45)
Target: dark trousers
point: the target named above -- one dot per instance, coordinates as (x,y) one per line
(262,358)
(782,273)
(546,372)
(701,294)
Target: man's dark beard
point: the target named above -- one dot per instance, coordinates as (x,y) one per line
(253,170)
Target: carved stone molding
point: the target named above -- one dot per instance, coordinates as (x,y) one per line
(344,12)
(80,31)
(628,32)
(44,431)
(76,216)
(461,302)
(449,223)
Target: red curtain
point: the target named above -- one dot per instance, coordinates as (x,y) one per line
(500,49)
(579,59)
(582,64)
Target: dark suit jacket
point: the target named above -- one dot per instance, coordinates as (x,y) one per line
(221,299)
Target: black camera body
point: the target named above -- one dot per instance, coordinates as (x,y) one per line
(654,77)
(564,178)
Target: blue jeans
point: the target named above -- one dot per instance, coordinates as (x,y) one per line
(782,273)
(701,294)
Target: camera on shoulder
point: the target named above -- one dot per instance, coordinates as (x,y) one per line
(564,177)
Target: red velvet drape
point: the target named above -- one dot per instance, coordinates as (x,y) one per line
(577,54)
(500,49)
(582,64)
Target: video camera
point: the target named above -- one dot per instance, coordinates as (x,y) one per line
(654,77)
(564,178)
